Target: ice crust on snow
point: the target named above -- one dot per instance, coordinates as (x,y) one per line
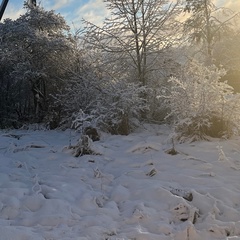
(134,190)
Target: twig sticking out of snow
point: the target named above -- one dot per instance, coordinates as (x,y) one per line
(152,173)
(70,139)
(36,187)
(221,155)
(97,173)
(26,167)
(172,150)
(223,158)
(84,147)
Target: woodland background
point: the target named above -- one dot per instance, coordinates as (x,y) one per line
(156,61)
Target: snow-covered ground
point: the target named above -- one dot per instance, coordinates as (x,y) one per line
(131,190)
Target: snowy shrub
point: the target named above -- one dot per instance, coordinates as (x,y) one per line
(81,120)
(115,107)
(120,107)
(201,105)
(79,97)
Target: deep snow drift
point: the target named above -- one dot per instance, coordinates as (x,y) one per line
(131,190)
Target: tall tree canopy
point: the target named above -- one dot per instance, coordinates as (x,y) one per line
(32,50)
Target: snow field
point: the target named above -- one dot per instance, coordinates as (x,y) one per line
(132,190)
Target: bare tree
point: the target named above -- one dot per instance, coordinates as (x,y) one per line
(135,35)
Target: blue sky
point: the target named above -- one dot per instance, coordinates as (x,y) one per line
(72,10)
(75,10)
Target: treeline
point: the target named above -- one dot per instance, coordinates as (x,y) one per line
(151,60)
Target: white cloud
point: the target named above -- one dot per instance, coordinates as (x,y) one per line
(55,4)
(13,12)
(61,4)
(94,11)
(233,4)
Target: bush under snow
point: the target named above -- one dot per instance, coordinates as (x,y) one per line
(118,109)
(201,105)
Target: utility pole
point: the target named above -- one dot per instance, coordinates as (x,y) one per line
(33,2)
(5,2)
(3,7)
